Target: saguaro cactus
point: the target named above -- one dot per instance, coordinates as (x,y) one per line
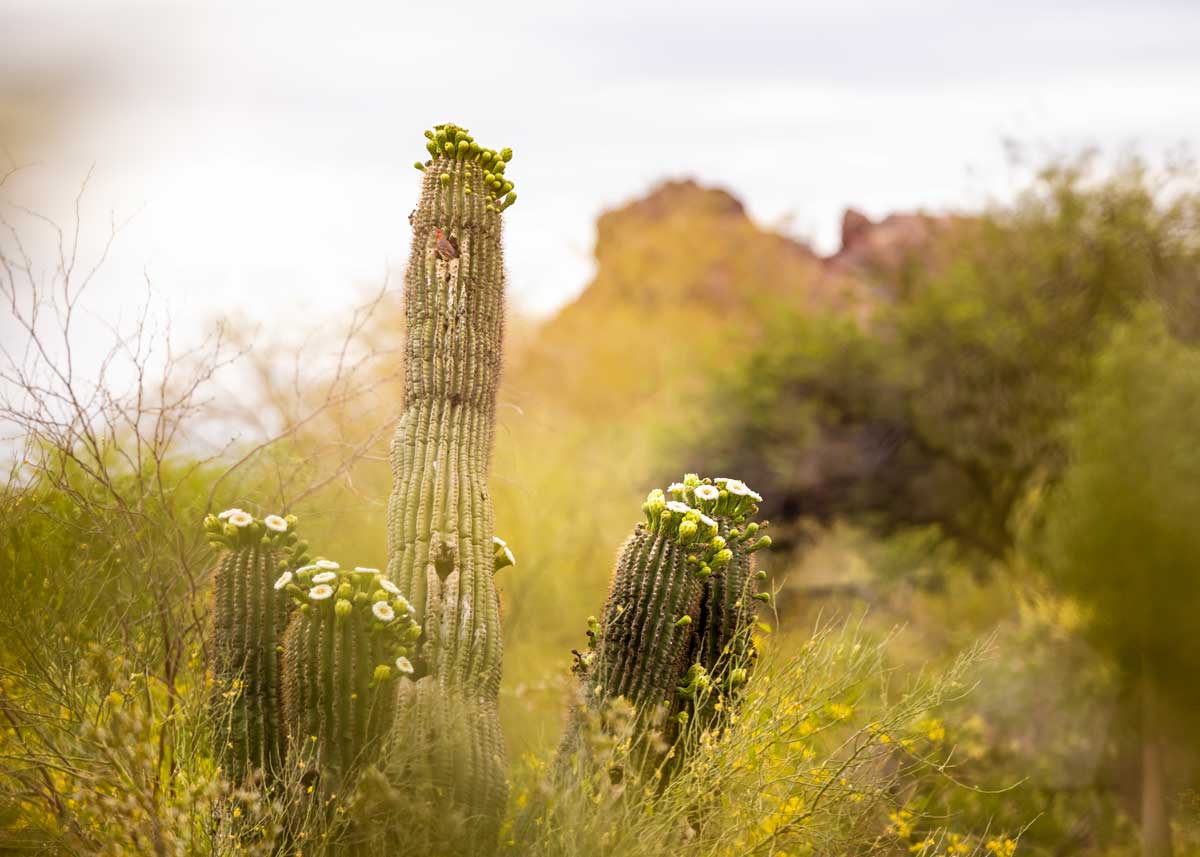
(675,629)
(247,621)
(353,635)
(440,539)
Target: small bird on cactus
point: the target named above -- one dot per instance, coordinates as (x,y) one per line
(446,246)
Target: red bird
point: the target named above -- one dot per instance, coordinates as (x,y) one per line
(446,246)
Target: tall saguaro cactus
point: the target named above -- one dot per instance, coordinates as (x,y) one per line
(440,538)
(247,622)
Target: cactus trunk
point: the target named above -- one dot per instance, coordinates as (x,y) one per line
(246,629)
(440,538)
(351,639)
(674,637)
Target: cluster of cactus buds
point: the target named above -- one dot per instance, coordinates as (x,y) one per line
(675,631)
(449,142)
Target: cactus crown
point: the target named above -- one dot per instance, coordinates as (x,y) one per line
(449,142)
(324,590)
(690,518)
(235,528)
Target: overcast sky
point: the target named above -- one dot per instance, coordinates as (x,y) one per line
(268,151)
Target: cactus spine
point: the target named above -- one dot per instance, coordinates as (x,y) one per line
(351,638)
(440,539)
(247,620)
(675,631)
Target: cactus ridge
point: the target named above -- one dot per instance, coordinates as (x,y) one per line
(246,627)
(352,637)
(675,630)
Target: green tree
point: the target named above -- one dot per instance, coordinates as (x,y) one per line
(1120,531)
(943,410)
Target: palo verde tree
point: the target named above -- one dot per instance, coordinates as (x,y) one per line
(1120,533)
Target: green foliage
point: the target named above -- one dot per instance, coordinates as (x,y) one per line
(945,408)
(1120,530)
(819,758)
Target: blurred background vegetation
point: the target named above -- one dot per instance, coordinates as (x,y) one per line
(975,433)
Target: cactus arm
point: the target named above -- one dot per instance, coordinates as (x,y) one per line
(247,621)
(340,658)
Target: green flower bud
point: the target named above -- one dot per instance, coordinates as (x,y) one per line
(506,154)
(687,531)
(764,542)
(345,590)
(445,179)
(382,673)
(418,165)
(683,622)
(432,147)
(722,557)
(342,608)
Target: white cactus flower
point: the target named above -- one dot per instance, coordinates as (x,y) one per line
(499,542)
(228,512)
(326,563)
(383,611)
(677,506)
(512,560)
(404,665)
(325,577)
(276,523)
(733,486)
(707,521)
(387,586)
(404,604)
(241,519)
(707,492)
(284,580)
(320,593)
